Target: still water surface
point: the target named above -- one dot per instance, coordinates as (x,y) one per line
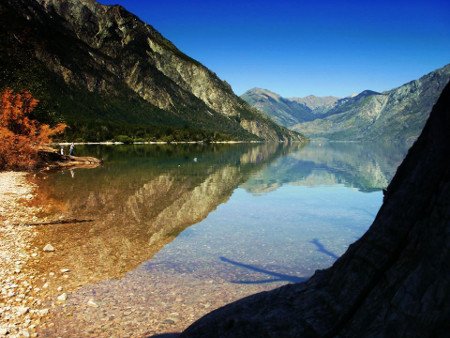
(160,235)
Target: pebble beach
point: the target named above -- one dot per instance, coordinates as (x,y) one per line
(21,311)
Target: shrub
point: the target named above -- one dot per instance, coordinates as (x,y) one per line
(139,139)
(124,139)
(20,136)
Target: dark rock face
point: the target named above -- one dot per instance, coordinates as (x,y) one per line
(393,282)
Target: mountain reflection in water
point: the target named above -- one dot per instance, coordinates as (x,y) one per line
(145,195)
(138,201)
(367,167)
(212,222)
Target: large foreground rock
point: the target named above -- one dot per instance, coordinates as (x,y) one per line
(393,282)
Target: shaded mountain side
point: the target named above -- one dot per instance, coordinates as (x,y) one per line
(105,72)
(397,115)
(394,281)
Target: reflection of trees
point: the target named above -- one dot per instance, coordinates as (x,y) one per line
(139,200)
(363,166)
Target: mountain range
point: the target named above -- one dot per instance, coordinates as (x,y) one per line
(106,73)
(289,111)
(396,115)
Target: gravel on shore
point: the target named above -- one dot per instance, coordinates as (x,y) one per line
(20,311)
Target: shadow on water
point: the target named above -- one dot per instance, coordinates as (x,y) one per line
(321,248)
(278,277)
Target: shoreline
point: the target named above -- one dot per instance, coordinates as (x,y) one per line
(158,142)
(111,143)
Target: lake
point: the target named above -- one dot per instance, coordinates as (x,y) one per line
(162,234)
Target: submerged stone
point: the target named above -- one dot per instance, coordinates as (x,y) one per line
(49,248)
(62,297)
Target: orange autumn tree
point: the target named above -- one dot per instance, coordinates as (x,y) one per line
(20,136)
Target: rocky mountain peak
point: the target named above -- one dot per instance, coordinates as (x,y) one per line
(264,92)
(367,92)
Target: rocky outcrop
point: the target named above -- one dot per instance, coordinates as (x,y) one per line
(106,72)
(393,282)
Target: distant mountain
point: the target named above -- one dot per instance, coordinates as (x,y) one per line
(281,110)
(289,111)
(105,72)
(348,103)
(397,115)
(317,104)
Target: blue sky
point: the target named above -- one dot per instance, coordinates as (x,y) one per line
(297,48)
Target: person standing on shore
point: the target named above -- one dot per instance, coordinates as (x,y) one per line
(71,149)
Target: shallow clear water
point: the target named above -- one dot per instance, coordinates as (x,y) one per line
(283,235)
(160,235)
